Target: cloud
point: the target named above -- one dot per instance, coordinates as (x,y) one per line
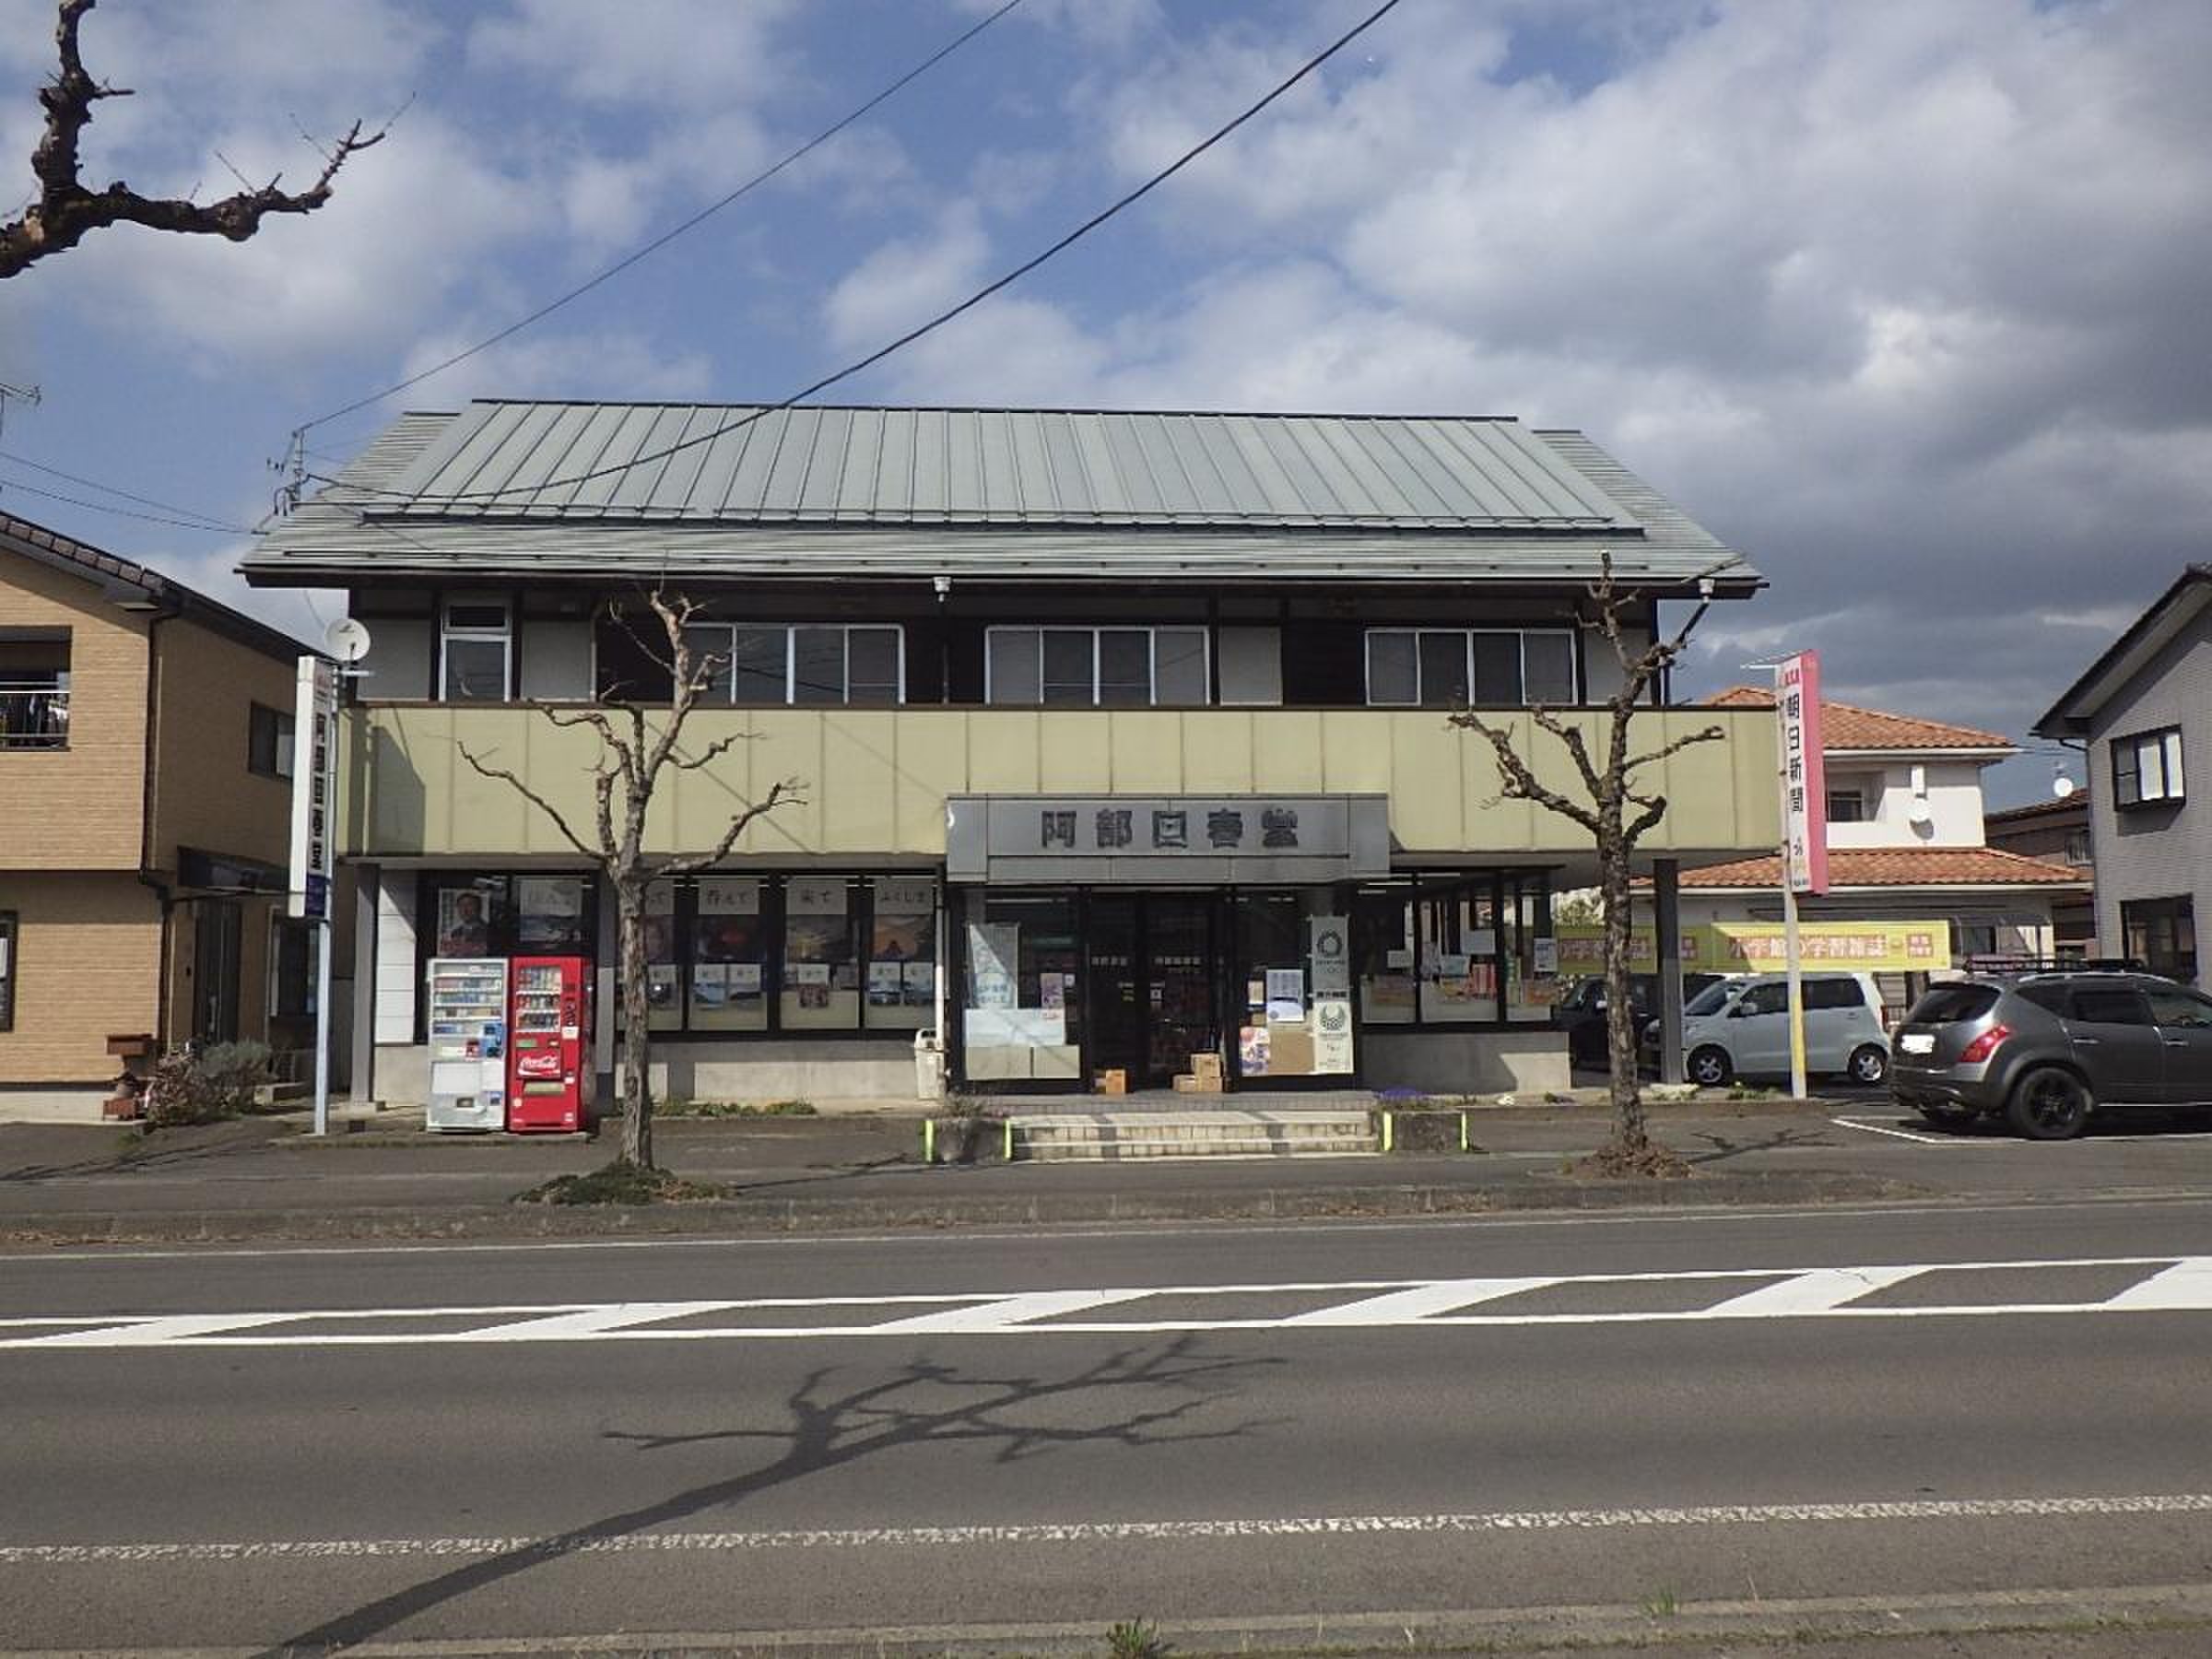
(691,54)
(618,366)
(906,281)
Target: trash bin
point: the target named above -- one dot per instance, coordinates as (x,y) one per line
(929,1066)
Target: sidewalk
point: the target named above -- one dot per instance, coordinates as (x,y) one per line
(260,1178)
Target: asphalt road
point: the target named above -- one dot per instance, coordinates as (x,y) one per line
(290,1445)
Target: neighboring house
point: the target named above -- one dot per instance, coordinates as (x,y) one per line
(1123,735)
(145,820)
(1905,839)
(2058,833)
(2144,711)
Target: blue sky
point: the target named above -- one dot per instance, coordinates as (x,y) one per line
(1905,300)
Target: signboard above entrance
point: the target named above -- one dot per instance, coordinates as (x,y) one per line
(1166,839)
(1757,947)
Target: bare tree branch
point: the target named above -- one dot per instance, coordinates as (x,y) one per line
(1709,734)
(1521,783)
(531,795)
(781,793)
(65,212)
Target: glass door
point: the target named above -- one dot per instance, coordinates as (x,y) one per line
(1179,962)
(1117,997)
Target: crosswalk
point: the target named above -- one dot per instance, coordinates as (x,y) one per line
(1944,1289)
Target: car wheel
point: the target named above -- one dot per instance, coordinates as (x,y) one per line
(2050,1104)
(1710,1067)
(1869,1063)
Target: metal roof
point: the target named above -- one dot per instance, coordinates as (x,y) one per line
(1023,494)
(2075,712)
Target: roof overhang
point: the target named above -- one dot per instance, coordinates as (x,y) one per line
(2150,633)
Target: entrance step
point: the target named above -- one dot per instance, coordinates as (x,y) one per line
(1098,1136)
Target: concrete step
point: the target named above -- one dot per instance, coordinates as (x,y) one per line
(1099,1135)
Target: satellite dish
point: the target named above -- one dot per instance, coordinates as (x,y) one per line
(2061,786)
(1920,812)
(346,640)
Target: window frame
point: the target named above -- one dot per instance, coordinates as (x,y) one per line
(2165,742)
(724,696)
(281,725)
(1151,631)
(1521,634)
(1856,795)
(11,965)
(476,634)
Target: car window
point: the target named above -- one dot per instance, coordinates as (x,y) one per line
(1954,1005)
(1832,994)
(2179,1008)
(2052,999)
(2111,1005)
(1773,998)
(1709,1001)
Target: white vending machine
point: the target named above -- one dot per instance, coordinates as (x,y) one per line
(468,1044)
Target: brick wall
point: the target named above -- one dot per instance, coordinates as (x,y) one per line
(86,967)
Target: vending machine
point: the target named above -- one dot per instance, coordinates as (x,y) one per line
(545,1088)
(468,1044)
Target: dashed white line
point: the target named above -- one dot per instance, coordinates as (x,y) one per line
(1110,1532)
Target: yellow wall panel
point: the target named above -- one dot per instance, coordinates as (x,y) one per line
(1147,753)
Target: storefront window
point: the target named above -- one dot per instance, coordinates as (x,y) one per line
(549,915)
(1021,1000)
(821,968)
(664,968)
(729,955)
(1384,936)
(1459,953)
(902,953)
(1532,963)
(1294,964)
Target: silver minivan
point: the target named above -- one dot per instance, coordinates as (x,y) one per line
(1741,1027)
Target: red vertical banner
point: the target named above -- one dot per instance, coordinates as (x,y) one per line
(1804,777)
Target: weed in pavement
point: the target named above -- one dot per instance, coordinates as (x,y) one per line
(621,1182)
(1136,1638)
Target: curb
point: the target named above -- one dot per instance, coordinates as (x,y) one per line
(769,1217)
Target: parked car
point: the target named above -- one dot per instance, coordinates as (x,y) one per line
(1581,1012)
(1741,1027)
(2047,1050)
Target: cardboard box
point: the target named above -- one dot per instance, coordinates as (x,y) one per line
(1186,1084)
(1206,1068)
(1291,1051)
(1113,1082)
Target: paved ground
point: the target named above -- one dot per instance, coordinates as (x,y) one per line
(1888,1420)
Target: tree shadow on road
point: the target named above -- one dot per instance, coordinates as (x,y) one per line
(1719,1148)
(1149,1398)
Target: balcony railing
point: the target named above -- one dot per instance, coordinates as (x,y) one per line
(34,714)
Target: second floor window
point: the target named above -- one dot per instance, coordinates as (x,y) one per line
(1847,804)
(2147,769)
(268,741)
(474,649)
(1482,667)
(1097,668)
(34,691)
(804,663)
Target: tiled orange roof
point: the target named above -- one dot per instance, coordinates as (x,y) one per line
(1846,727)
(1896,866)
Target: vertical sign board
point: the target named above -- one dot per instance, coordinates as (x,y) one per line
(315,760)
(1804,777)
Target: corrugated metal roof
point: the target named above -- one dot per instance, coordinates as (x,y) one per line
(734,464)
(582,488)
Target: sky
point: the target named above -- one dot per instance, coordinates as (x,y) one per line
(1906,301)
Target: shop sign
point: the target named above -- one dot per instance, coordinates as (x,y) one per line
(1804,777)
(1757,947)
(1167,838)
(314,784)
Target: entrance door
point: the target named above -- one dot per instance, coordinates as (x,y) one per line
(214,969)
(1152,958)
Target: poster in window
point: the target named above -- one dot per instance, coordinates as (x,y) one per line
(816,896)
(727,928)
(1331,1030)
(919,981)
(993,950)
(1545,955)
(659,923)
(550,915)
(886,985)
(464,921)
(729,896)
(1329,947)
(1285,996)
(744,980)
(709,985)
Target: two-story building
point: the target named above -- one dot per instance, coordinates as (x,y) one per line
(144,814)
(2139,711)
(1123,735)
(2057,831)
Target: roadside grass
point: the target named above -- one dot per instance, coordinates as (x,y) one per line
(681,1108)
(621,1182)
(1136,1638)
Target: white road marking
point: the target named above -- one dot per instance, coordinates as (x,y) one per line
(1924,1140)
(1114,1532)
(2167,1283)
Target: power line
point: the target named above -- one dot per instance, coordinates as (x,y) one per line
(938,321)
(206,519)
(669,235)
(205,526)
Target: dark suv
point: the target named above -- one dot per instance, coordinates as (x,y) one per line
(2047,1049)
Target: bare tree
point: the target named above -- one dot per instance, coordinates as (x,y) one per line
(1618,814)
(637,745)
(65,211)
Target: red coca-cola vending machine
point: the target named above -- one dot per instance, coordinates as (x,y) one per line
(545,1046)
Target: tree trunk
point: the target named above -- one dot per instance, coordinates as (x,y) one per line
(637,1014)
(1620,1010)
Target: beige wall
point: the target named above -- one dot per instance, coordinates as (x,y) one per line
(875,781)
(86,967)
(204,795)
(78,808)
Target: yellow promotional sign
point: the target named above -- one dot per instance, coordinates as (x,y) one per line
(1756,947)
